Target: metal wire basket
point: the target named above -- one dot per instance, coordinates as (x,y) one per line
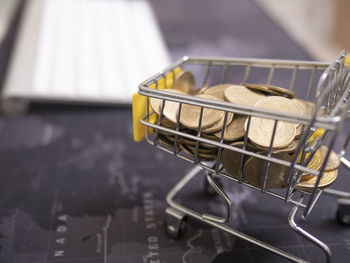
(329,95)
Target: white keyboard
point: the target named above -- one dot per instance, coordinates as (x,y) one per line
(85,51)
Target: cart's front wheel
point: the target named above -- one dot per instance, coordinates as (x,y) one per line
(175,223)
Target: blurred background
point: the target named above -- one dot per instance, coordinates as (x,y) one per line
(98,51)
(318,26)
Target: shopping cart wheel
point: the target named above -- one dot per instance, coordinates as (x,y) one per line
(175,223)
(343,213)
(209,189)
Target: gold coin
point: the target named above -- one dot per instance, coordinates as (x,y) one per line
(289,149)
(201,144)
(305,106)
(209,137)
(191,142)
(186,150)
(298,126)
(306,109)
(321,112)
(242,95)
(167,123)
(165,141)
(206,156)
(156,104)
(218,126)
(201,90)
(254,170)
(290,94)
(301,105)
(184,82)
(314,164)
(170,138)
(261,87)
(231,160)
(201,156)
(171,107)
(327,179)
(165,133)
(217,91)
(298,130)
(333,161)
(202,149)
(278,104)
(260,131)
(190,114)
(235,130)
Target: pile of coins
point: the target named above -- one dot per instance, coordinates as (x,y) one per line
(236,126)
(308,181)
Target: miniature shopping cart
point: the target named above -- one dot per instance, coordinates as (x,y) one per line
(324,84)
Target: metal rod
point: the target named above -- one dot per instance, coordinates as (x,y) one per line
(332,89)
(198,135)
(227,202)
(206,74)
(224,74)
(155,140)
(177,128)
(246,73)
(218,158)
(243,156)
(319,177)
(202,165)
(232,148)
(327,123)
(312,202)
(267,163)
(311,83)
(292,82)
(272,70)
(171,202)
(336,193)
(345,162)
(307,235)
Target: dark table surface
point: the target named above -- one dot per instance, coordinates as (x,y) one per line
(74,187)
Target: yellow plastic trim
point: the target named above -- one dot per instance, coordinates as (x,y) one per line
(139,103)
(318,133)
(347,60)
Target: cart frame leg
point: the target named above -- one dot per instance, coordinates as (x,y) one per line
(307,235)
(183,211)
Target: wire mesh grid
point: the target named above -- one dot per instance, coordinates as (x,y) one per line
(326,85)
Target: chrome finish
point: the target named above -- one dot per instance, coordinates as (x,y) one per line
(182,210)
(226,199)
(307,235)
(331,93)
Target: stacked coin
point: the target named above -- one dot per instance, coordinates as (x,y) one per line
(218,125)
(308,181)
